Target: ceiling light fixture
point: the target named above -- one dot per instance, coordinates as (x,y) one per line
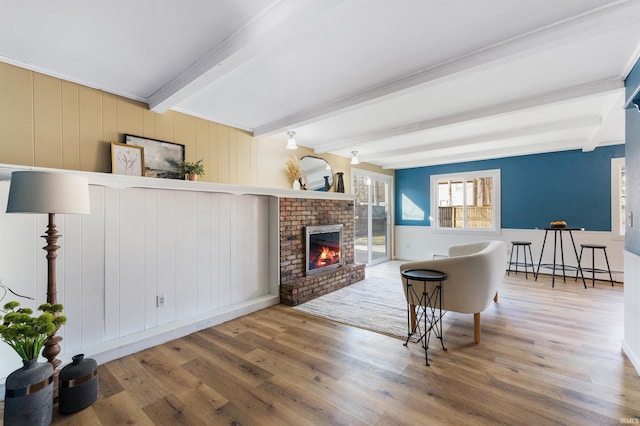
(291,142)
(354,159)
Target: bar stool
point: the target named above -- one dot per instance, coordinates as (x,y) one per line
(593,268)
(516,245)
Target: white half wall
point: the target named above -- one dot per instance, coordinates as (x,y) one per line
(420,242)
(631,342)
(210,253)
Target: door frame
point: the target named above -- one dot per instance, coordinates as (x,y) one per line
(390,210)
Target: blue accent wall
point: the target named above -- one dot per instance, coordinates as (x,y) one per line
(632,163)
(574,186)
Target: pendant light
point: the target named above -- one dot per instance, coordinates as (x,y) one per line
(291,142)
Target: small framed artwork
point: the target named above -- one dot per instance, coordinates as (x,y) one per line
(127,159)
(161,159)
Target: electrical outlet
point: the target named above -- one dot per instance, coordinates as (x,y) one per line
(161,300)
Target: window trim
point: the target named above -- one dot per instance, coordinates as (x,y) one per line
(492,173)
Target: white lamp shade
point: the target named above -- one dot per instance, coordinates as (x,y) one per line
(48,192)
(354,158)
(291,143)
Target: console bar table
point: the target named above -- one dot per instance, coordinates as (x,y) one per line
(557,235)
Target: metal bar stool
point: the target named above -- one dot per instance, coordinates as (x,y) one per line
(516,245)
(593,268)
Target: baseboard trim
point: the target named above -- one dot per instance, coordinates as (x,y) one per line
(635,361)
(128,345)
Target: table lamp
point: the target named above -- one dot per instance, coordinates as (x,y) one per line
(49,193)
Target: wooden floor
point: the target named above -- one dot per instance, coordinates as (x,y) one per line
(547,356)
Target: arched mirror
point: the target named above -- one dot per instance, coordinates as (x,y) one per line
(317,172)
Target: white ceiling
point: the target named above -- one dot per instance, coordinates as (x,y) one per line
(405,82)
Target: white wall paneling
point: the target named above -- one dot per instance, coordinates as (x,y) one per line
(631,342)
(204,250)
(151,258)
(71,272)
(92,315)
(111,289)
(210,252)
(224,248)
(185,287)
(420,242)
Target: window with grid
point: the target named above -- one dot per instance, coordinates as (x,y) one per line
(466,201)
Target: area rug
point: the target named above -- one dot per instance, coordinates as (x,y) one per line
(375,304)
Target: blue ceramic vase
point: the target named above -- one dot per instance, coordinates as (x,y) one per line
(28,397)
(78,384)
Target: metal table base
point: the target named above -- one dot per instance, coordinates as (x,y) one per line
(553,266)
(424,311)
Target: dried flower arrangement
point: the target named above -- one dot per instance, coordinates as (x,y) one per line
(294,169)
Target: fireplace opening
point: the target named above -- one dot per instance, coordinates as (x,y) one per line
(323,248)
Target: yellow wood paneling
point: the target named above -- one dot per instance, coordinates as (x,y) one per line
(273,157)
(254,161)
(185,134)
(109,128)
(223,154)
(164,126)
(47,121)
(203,149)
(148,124)
(90,106)
(233,156)
(213,152)
(243,158)
(70,126)
(16,115)
(130,118)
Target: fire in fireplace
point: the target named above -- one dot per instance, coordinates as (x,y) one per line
(323,248)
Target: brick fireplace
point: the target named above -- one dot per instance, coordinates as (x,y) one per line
(295,215)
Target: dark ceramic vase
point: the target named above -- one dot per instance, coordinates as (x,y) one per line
(78,385)
(28,397)
(340,187)
(327,187)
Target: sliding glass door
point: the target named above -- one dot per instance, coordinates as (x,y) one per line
(373,216)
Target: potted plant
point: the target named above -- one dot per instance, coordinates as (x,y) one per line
(29,390)
(191,170)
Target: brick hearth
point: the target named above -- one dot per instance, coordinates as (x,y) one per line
(295,215)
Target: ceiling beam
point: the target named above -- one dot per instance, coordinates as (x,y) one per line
(486,154)
(596,135)
(536,101)
(539,129)
(276,24)
(596,22)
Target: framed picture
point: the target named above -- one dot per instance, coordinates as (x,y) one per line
(127,159)
(161,159)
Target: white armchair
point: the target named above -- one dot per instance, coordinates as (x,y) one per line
(474,274)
